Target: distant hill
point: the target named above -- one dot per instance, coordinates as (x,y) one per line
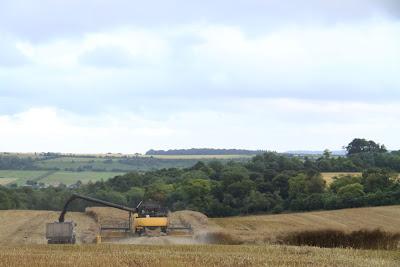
(315,152)
(203,151)
(214,151)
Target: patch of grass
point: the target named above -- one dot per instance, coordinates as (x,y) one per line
(330,238)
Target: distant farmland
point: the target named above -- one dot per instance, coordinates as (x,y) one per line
(131,163)
(53,177)
(19,176)
(68,169)
(201,157)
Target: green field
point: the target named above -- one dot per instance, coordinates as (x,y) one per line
(72,177)
(53,177)
(75,163)
(19,176)
(131,163)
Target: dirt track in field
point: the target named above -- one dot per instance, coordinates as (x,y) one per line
(29,227)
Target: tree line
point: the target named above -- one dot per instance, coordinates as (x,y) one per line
(268,183)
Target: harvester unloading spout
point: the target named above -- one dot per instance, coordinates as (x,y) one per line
(94,200)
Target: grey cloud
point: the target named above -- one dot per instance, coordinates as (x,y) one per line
(392,7)
(187,92)
(144,87)
(38,20)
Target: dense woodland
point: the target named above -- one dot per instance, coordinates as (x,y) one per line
(268,183)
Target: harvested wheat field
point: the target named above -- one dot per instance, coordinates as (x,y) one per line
(328,176)
(261,228)
(191,255)
(29,226)
(22,242)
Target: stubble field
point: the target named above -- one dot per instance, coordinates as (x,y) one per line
(22,241)
(191,255)
(261,228)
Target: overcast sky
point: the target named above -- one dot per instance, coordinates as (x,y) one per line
(125,76)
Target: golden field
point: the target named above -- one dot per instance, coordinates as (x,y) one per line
(191,255)
(328,176)
(22,241)
(265,228)
(28,227)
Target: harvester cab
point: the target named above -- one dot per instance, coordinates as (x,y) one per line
(151,209)
(150,218)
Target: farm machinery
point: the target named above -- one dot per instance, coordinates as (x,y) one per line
(146,217)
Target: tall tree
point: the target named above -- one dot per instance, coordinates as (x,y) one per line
(361,145)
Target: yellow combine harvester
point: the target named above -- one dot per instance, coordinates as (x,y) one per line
(147,217)
(150,216)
